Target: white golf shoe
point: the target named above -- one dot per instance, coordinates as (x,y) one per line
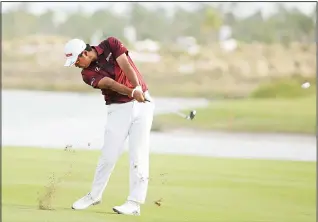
(128,208)
(85,202)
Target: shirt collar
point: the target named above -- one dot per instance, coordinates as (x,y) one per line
(98,49)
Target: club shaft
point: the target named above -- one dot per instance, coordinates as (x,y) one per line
(181,114)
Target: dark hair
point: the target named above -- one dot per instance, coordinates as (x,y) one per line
(88,48)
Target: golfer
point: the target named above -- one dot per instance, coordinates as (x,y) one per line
(130,110)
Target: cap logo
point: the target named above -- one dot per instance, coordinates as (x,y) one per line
(69,55)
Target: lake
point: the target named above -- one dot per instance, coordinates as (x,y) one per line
(57,119)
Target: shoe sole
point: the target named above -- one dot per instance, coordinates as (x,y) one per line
(96,203)
(118,212)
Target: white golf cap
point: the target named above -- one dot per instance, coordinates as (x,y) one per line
(72,49)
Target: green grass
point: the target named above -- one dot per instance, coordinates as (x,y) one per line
(192,188)
(252,115)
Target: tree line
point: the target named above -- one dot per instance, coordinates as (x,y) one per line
(203,23)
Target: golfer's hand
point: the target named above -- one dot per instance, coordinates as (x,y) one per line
(139,96)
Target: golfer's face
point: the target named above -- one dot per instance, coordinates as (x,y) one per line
(83,61)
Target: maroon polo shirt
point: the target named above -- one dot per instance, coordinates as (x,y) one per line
(106,66)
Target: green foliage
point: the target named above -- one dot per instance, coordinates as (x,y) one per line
(285,88)
(157,24)
(212,19)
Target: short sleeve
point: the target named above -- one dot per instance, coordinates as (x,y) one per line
(91,78)
(116,47)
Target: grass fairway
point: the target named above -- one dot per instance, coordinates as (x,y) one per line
(192,189)
(252,115)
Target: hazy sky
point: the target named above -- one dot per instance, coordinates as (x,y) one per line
(244,9)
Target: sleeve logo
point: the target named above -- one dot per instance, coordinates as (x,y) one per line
(108,57)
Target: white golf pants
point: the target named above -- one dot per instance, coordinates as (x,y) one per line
(131,120)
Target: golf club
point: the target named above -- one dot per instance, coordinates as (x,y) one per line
(188,117)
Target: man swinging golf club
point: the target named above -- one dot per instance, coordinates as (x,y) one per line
(130,110)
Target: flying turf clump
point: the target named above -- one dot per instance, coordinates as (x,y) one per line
(45,201)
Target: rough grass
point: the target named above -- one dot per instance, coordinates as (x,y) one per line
(285,88)
(192,189)
(250,115)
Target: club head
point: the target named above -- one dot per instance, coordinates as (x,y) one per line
(192,115)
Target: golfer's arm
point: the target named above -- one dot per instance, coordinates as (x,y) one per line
(124,64)
(108,83)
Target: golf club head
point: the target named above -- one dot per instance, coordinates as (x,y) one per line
(192,115)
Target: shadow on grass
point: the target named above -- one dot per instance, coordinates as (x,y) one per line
(61,208)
